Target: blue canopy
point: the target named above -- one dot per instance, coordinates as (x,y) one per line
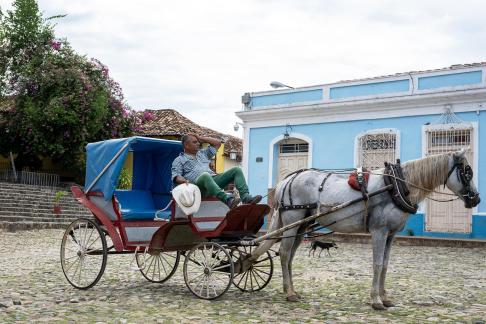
(152,161)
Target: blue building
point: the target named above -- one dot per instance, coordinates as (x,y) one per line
(369,121)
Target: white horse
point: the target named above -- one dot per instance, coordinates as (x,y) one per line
(384,218)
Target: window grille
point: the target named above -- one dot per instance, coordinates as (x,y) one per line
(449,217)
(375,149)
(443,141)
(294,148)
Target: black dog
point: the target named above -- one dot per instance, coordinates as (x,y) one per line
(322,245)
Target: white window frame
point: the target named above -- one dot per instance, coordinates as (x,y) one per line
(475,133)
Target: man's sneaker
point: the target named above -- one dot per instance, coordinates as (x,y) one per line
(232,202)
(249,199)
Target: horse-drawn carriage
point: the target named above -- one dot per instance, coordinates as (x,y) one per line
(146,222)
(218,244)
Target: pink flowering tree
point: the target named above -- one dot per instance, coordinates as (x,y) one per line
(62,99)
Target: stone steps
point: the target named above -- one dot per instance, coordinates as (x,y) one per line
(24,186)
(30,207)
(42,218)
(42,208)
(37,214)
(12,194)
(14,226)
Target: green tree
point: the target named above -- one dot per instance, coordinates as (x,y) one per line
(25,37)
(62,99)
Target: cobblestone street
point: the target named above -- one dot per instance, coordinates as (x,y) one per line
(429,284)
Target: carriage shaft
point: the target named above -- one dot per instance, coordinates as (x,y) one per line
(313,217)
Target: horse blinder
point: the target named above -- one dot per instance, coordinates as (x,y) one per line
(465,175)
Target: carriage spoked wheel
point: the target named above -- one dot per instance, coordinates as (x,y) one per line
(159,266)
(208,270)
(258,275)
(83,253)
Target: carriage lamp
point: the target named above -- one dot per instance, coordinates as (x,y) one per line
(286,134)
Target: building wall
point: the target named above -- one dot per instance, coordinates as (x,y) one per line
(333,147)
(331,116)
(4,162)
(333,143)
(228,163)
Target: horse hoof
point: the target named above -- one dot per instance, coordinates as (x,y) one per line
(293,298)
(388,303)
(378,306)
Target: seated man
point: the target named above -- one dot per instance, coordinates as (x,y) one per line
(193,166)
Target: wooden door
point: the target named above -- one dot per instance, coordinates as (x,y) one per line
(293,155)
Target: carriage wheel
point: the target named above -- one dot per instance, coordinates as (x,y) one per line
(208,270)
(83,253)
(258,275)
(158,267)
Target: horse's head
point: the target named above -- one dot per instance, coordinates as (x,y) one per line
(460,179)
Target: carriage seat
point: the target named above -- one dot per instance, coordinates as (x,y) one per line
(139,205)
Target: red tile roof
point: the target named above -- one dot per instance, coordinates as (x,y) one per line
(169,122)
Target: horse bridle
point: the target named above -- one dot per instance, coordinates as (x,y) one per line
(464,174)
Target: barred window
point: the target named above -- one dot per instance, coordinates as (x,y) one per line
(440,141)
(294,148)
(376,148)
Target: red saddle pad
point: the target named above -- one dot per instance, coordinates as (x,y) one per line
(353,179)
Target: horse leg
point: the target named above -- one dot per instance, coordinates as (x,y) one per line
(378,238)
(285,260)
(384,298)
(297,241)
(275,224)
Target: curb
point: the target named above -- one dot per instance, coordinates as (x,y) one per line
(410,240)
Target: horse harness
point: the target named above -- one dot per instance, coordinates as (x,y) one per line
(393,175)
(294,175)
(464,174)
(361,181)
(399,192)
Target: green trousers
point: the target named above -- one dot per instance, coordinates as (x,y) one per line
(211,185)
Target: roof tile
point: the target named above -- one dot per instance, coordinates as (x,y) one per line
(169,122)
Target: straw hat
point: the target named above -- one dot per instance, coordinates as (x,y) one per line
(187,197)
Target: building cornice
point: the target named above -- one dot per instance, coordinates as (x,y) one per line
(397,106)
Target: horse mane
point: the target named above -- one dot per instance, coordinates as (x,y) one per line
(429,173)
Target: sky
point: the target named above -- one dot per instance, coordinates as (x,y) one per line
(200,57)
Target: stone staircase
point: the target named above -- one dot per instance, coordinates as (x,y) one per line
(31,207)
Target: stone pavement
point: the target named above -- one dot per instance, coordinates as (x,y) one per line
(429,284)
